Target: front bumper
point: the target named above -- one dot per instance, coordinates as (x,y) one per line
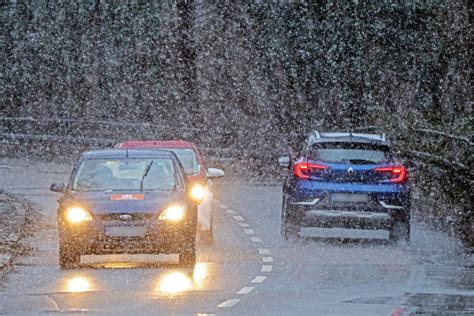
(159,237)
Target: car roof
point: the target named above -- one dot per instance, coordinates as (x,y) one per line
(127,153)
(156,144)
(317,137)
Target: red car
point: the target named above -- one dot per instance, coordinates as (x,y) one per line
(196,171)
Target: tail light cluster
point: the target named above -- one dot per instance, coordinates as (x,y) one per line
(398,173)
(303,170)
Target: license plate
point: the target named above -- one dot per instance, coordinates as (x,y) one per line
(125,231)
(349,197)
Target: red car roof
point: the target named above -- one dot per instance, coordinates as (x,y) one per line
(130,144)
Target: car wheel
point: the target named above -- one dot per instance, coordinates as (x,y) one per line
(206,236)
(187,257)
(289,229)
(187,253)
(68,256)
(399,231)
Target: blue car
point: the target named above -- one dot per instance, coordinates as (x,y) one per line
(346,180)
(126,201)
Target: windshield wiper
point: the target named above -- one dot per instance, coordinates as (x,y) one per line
(147,169)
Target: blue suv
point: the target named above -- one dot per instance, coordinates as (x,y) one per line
(346,180)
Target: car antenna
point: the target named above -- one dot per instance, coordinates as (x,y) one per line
(126,153)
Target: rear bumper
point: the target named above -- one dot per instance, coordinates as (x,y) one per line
(346,219)
(321,212)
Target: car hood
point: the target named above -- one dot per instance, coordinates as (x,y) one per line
(100,203)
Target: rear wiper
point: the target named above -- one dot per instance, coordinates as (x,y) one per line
(147,169)
(361,161)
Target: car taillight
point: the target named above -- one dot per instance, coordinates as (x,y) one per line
(303,169)
(399,173)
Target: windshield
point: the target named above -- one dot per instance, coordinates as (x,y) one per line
(188,159)
(125,174)
(355,153)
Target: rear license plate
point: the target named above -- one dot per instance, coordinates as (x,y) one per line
(349,197)
(125,231)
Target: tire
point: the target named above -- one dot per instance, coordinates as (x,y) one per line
(187,253)
(68,257)
(206,236)
(187,258)
(289,229)
(400,231)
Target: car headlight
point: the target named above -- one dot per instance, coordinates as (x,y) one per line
(78,215)
(198,193)
(173,213)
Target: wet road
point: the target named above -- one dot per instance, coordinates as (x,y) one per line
(249,269)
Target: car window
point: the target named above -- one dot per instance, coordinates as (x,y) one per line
(124,174)
(188,159)
(346,152)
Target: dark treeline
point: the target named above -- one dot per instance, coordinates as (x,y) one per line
(254,76)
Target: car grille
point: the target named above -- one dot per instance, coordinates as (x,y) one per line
(134,217)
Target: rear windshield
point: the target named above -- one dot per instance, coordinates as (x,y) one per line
(188,159)
(354,153)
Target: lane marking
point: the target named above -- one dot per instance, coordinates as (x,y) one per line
(249,231)
(259,279)
(263,251)
(228,303)
(56,306)
(245,290)
(255,239)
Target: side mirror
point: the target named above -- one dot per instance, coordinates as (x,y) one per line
(213,173)
(58,187)
(284,161)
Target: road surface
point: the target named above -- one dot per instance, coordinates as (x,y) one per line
(249,270)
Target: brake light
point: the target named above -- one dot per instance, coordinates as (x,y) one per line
(303,169)
(399,173)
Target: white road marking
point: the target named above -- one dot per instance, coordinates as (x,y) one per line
(263,251)
(255,239)
(259,279)
(12,167)
(249,231)
(56,306)
(246,290)
(228,303)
